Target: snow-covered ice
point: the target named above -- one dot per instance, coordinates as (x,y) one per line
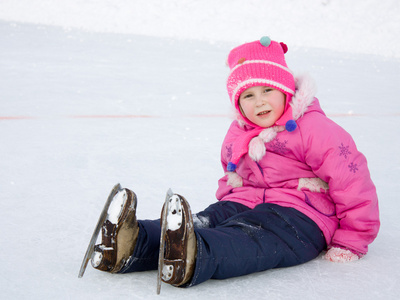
(99,92)
(174,213)
(115,209)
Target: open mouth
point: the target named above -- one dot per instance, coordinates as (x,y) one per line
(265,112)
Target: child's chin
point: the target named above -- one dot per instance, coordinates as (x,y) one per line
(264,123)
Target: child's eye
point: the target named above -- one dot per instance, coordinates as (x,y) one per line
(267,90)
(247,96)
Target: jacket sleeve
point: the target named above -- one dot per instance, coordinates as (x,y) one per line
(332,154)
(226,148)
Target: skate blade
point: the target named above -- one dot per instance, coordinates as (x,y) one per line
(162,241)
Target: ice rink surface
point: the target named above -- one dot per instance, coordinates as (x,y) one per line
(81,110)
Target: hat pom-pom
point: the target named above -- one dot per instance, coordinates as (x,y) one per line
(265,41)
(284,47)
(291,125)
(231,167)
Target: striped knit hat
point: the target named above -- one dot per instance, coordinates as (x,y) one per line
(261,63)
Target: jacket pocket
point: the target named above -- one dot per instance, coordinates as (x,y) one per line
(321,203)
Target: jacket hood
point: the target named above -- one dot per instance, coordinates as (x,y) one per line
(253,139)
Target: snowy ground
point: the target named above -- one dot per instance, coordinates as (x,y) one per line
(81,110)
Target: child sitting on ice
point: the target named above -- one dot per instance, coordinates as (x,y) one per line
(295,185)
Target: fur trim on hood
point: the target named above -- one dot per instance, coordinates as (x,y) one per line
(304,96)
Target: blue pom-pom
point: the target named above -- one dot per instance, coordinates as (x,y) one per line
(265,41)
(231,167)
(291,125)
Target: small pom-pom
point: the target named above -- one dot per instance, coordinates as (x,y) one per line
(284,47)
(265,41)
(290,125)
(256,149)
(231,167)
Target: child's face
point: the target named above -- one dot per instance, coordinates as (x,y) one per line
(262,105)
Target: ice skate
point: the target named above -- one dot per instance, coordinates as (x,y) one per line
(179,247)
(119,233)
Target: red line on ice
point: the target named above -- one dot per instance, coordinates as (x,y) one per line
(15,118)
(111,116)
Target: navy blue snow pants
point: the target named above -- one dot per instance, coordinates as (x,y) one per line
(234,240)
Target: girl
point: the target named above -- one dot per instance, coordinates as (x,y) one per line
(295,185)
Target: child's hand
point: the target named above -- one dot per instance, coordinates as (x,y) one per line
(340,255)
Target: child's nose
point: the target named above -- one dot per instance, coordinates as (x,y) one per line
(261,100)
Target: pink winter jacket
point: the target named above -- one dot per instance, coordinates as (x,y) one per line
(315,169)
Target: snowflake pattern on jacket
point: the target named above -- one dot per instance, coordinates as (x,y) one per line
(344,150)
(278,146)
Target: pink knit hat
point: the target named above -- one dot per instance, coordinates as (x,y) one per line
(261,63)
(258,63)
